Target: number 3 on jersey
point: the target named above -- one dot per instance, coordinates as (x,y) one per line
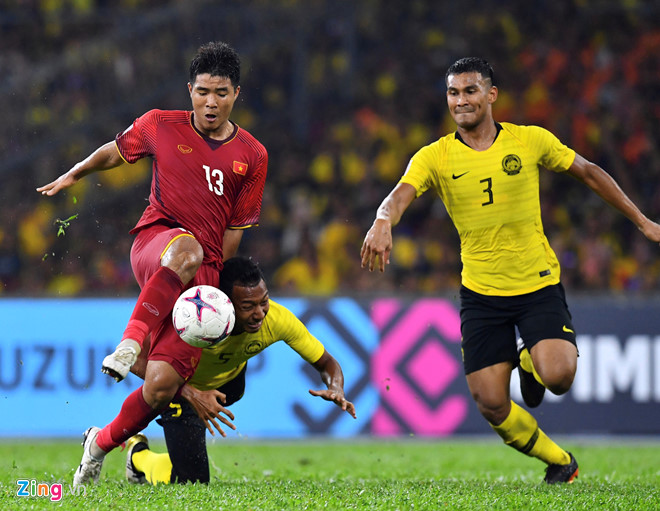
(214,179)
(488,190)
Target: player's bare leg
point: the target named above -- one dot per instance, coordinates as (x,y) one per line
(517,428)
(161,383)
(490,390)
(555,361)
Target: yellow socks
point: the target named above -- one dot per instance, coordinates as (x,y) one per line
(521,431)
(528,366)
(157,468)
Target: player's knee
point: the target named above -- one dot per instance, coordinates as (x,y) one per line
(185,256)
(159,390)
(495,415)
(190,259)
(494,411)
(190,263)
(558,379)
(561,383)
(158,397)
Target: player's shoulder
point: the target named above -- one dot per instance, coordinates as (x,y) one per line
(439,145)
(245,137)
(281,320)
(174,116)
(279,311)
(449,138)
(524,132)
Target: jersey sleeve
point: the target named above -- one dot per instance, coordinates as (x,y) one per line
(556,156)
(296,335)
(139,139)
(247,210)
(422,167)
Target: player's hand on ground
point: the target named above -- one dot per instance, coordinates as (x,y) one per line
(377,245)
(207,405)
(336,397)
(62,182)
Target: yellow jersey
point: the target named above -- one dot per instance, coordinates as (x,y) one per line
(492,197)
(222,363)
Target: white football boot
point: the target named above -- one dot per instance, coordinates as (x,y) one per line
(119,363)
(90,467)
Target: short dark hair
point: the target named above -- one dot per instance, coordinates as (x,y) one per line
(471,65)
(217,59)
(241,271)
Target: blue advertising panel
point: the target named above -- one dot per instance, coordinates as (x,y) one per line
(401,360)
(51,384)
(50,359)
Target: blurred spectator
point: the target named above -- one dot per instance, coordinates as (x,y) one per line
(341,97)
(307,273)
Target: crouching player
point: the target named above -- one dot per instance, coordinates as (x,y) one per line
(220,375)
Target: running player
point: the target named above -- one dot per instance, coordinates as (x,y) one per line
(487,175)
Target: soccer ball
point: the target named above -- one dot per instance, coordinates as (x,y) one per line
(203,316)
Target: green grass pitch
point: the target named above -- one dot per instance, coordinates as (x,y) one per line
(351,474)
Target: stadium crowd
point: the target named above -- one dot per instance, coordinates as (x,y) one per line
(341,98)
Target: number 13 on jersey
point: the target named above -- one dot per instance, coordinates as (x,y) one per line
(214,179)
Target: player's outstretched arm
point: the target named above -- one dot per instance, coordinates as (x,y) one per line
(207,405)
(377,243)
(607,188)
(333,377)
(105,157)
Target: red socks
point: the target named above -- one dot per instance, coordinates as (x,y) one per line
(134,416)
(154,303)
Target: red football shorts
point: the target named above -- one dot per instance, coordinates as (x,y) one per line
(149,246)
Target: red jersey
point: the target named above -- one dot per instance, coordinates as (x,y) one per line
(203,185)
